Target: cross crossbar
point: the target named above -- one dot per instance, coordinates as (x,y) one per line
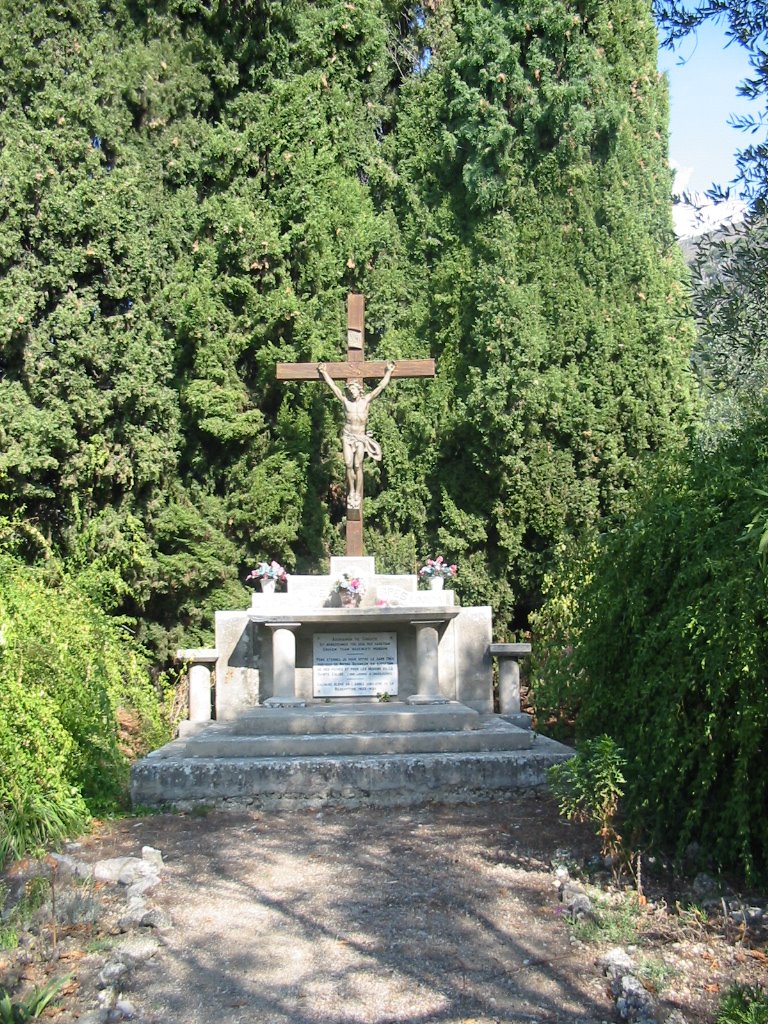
(351,371)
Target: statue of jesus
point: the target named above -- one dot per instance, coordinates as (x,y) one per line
(356,443)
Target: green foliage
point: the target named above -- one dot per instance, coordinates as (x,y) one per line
(30,1008)
(616,918)
(557,684)
(731,355)
(189,191)
(588,787)
(743,1004)
(546,276)
(68,672)
(30,820)
(666,642)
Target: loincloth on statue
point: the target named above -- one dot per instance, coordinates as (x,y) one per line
(371,448)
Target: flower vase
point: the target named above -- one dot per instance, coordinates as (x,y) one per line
(268,586)
(348,599)
(436,583)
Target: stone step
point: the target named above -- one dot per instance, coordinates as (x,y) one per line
(355,718)
(216,744)
(168,779)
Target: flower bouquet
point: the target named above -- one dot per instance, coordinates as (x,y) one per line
(268,574)
(436,571)
(350,589)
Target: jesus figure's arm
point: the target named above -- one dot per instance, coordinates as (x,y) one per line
(383,383)
(329,381)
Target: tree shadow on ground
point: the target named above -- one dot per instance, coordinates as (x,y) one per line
(434,914)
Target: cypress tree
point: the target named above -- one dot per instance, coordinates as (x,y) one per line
(191,190)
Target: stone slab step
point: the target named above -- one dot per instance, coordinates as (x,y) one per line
(355,718)
(222,745)
(402,780)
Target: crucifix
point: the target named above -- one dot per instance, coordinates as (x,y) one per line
(356,442)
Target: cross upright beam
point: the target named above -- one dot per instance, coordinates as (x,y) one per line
(356,443)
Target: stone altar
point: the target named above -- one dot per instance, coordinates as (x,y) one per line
(267,737)
(265,653)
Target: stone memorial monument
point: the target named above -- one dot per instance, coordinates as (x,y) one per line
(389,702)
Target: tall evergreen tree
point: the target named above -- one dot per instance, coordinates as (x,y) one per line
(533,189)
(190,190)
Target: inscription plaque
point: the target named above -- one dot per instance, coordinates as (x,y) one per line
(354,664)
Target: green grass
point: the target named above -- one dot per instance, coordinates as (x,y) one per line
(31,821)
(655,973)
(615,920)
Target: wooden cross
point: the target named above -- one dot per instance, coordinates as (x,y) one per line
(355,369)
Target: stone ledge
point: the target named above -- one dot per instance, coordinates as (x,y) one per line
(373,781)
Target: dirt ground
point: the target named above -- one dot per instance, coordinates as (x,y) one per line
(439,914)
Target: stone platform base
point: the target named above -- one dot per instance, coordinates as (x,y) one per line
(267,761)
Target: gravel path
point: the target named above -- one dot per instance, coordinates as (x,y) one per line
(441,914)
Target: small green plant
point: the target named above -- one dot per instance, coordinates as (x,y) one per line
(383,698)
(588,787)
(101,944)
(612,920)
(31,819)
(744,1004)
(141,811)
(655,973)
(33,1005)
(9,938)
(36,891)
(692,915)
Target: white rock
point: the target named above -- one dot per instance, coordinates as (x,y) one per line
(134,869)
(157,918)
(143,885)
(138,949)
(152,856)
(69,866)
(109,870)
(135,910)
(108,997)
(125,870)
(616,962)
(94,1017)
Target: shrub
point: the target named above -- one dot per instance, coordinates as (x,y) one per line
(664,646)
(744,1004)
(66,671)
(588,787)
(14,1012)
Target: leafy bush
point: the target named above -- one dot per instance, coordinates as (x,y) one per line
(67,672)
(183,206)
(588,787)
(661,642)
(744,1004)
(30,819)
